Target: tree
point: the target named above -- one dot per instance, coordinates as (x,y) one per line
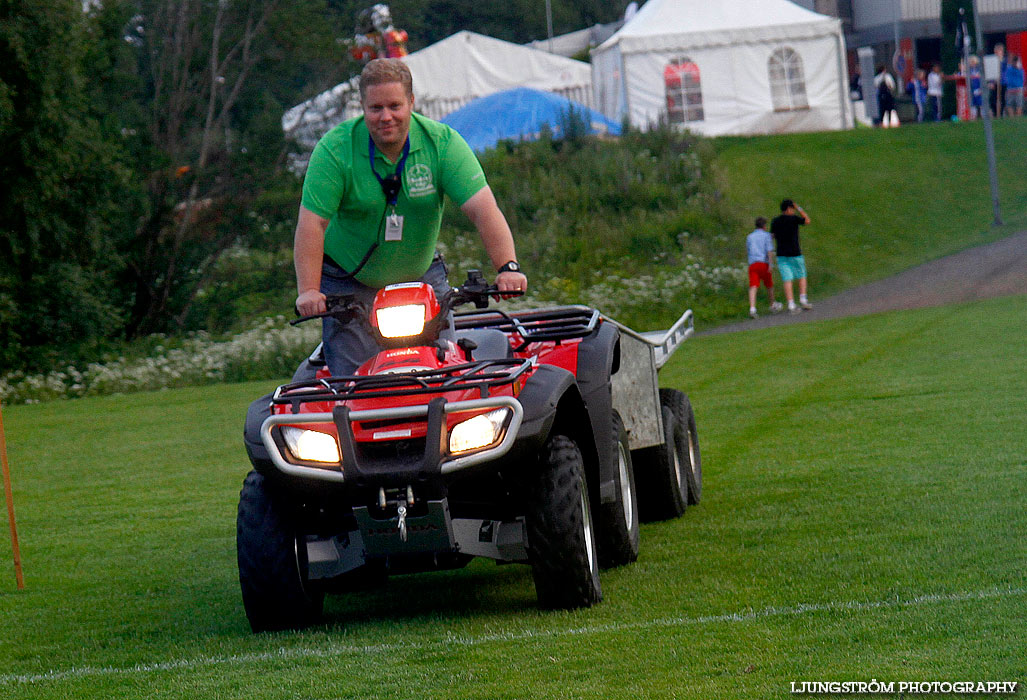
(428,21)
(951,54)
(63,188)
(212,80)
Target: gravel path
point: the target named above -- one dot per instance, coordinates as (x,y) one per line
(991,270)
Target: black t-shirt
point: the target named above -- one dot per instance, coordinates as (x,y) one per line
(785,229)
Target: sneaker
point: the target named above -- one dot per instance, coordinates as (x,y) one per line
(753,314)
(806,305)
(777,307)
(793,309)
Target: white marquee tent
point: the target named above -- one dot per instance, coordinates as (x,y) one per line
(447,75)
(725,67)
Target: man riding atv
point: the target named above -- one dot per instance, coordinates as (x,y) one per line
(423,437)
(372,207)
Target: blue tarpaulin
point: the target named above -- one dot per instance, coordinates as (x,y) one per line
(520,114)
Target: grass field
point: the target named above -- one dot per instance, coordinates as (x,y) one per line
(863,518)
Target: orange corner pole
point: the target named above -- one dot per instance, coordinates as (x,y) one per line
(10,504)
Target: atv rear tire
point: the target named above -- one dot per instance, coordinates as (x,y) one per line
(272,563)
(618,521)
(561,536)
(690,458)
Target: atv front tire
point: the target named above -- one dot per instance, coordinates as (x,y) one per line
(272,563)
(561,536)
(618,521)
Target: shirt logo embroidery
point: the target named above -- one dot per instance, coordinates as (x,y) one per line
(420,181)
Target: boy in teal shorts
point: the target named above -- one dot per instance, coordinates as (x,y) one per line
(790,262)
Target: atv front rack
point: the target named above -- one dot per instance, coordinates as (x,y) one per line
(483,375)
(560,323)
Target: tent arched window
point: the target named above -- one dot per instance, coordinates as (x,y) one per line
(787,82)
(683,88)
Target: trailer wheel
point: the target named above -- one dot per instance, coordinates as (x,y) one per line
(662,488)
(690,458)
(272,563)
(561,536)
(618,522)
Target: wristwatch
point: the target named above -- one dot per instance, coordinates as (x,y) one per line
(511,266)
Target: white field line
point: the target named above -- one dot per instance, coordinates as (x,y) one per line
(332,650)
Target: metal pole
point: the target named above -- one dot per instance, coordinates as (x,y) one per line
(10,505)
(549,23)
(989,137)
(899,84)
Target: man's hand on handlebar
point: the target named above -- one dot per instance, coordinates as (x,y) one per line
(511,282)
(310,302)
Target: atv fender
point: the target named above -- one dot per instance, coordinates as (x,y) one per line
(255,415)
(598,361)
(552,402)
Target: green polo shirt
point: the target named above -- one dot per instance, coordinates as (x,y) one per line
(339,186)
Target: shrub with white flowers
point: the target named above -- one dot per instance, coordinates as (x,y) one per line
(273,349)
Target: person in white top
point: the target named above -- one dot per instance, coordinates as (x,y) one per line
(935,91)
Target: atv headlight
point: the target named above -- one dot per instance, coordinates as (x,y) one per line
(400,321)
(310,445)
(477,432)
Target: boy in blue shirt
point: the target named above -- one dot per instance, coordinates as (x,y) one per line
(760,247)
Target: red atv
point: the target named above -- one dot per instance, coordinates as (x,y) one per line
(537,437)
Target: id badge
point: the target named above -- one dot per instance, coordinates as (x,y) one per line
(394,227)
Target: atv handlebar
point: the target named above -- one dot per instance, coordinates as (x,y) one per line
(477,291)
(343,307)
(346,307)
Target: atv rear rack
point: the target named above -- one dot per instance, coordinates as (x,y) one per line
(483,375)
(560,323)
(567,322)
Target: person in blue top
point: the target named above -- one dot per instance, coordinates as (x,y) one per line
(917,88)
(1013,78)
(760,247)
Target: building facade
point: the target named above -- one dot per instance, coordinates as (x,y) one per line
(916,24)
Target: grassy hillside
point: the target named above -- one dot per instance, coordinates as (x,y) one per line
(881,200)
(646,230)
(862,517)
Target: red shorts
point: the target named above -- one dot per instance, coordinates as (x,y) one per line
(760,271)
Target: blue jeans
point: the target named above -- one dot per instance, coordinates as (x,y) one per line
(348,345)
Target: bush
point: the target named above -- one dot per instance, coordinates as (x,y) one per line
(273,349)
(636,225)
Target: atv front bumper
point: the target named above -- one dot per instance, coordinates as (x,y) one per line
(357,468)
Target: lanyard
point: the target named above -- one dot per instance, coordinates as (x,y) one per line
(391,184)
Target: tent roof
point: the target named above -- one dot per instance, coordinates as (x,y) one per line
(520,113)
(448,74)
(678,24)
(470,64)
